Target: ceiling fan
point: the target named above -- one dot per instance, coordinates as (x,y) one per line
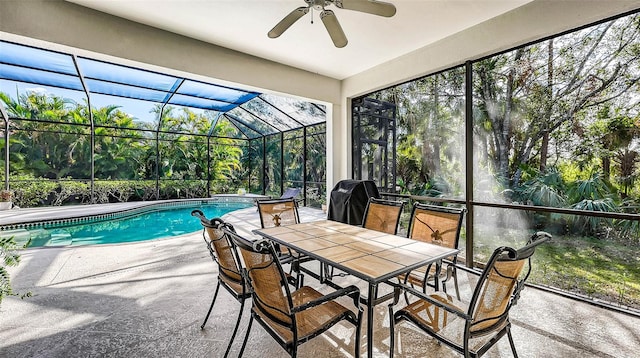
(329,18)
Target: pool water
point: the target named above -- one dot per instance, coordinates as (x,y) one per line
(148,225)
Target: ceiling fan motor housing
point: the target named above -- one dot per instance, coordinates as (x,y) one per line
(318,5)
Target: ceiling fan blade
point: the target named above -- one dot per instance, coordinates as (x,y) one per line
(369,6)
(330,21)
(288,20)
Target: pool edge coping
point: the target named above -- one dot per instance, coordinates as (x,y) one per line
(76,216)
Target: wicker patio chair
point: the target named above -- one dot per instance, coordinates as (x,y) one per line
(229,276)
(278,212)
(441,226)
(291,318)
(282,212)
(383,215)
(475,329)
(380,215)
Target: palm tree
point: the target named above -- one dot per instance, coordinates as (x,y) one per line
(593,194)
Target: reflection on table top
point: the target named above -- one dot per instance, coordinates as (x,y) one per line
(370,255)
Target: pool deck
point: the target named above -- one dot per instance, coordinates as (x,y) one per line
(23,215)
(35,215)
(148,299)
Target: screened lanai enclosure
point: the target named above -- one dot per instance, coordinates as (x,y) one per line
(79,130)
(544,136)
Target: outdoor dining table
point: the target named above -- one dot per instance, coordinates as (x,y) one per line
(372,256)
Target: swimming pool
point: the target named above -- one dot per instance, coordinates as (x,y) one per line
(142,224)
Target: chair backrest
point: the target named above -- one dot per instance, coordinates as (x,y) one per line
(265,276)
(290,193)
(383,215)
(436,224)
(499,286)
(220,248)
(278,212)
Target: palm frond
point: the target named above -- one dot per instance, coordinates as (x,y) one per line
(592,223)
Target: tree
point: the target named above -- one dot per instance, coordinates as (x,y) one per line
(183,154)
(118,146)
(225,156)
(522,100)
(54,140)
(430,140)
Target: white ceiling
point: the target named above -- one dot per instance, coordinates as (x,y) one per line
(242,25)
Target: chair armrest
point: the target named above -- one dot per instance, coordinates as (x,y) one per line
(449,308)
(448,273)
(352,291)
(474,271)
(450,266)
(295,281)
(447,261)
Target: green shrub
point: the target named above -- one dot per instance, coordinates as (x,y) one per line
(29,192)
(118,191)
(32,192)
(71,192)
(178,189)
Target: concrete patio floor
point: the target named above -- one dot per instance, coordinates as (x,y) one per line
(148,299)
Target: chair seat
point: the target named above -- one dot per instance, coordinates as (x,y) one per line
(312,321)
(431,316)
(439,322)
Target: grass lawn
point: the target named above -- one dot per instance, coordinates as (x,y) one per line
(592,267)
(600,269)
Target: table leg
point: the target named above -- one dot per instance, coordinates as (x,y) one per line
(371,299)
